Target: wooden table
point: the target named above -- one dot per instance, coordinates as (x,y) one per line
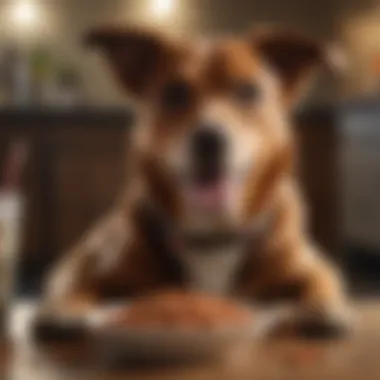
(286,359)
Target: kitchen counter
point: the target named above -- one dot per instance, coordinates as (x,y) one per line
(114,117)
(119,117)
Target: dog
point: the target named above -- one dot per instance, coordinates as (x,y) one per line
(213,203)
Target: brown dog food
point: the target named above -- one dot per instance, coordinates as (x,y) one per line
(177,309)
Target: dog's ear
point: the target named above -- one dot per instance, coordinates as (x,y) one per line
(137,57)
(294,58)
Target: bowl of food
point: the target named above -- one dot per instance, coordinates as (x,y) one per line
(171,327)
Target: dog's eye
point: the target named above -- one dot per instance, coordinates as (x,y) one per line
(176,95)
(246,92)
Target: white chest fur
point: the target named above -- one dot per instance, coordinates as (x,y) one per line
(212,272)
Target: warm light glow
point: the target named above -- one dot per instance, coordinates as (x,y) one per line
(162,7)
(24,13)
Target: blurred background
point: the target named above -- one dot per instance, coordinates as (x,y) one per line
(64,123)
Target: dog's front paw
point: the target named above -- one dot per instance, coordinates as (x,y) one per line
(47,329)
(308,324)
(323,327)
(326,324)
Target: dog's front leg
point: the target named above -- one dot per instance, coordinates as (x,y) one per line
(322,308)
(324,305)
(299,274)
(74,285)
(76,279)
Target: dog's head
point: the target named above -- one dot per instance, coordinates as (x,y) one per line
(214,113)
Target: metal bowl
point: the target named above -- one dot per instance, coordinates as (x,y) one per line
(118,346)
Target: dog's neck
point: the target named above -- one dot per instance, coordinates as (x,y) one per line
(212,239)
(207,260)
(212,260)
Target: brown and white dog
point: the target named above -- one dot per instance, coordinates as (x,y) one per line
(213,203)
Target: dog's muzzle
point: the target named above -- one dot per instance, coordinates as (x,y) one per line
(208,154)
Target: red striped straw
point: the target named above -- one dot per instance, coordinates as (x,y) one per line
(15,162)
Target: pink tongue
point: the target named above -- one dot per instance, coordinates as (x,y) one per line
(209,196)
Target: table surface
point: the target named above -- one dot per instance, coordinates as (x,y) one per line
(285,359)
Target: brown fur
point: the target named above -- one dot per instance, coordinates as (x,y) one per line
(283,255)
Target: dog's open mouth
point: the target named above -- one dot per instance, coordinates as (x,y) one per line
(209,196)
(208,188)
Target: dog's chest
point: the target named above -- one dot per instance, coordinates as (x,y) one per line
(212,270)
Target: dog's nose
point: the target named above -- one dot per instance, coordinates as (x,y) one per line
(208,144)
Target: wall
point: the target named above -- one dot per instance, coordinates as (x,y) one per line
(61,24)
(362,33)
